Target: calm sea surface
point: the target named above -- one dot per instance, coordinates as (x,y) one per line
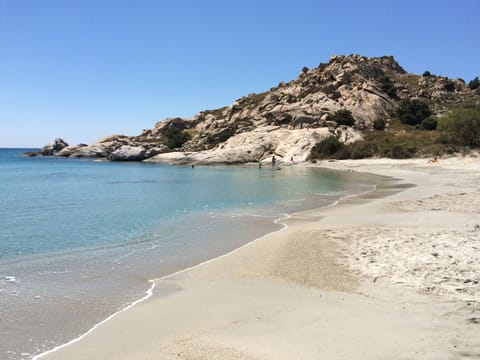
(80,239)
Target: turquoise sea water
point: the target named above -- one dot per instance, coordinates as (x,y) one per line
(79,239)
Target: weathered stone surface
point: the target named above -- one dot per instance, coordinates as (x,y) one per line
(69,150)
(331,124)
(348,135)
(256,126)
(159,149)
(90,152)
(30,154)
(128,153)
(111,143)
(253,146)
(54,147)
(303,120)
(175,157)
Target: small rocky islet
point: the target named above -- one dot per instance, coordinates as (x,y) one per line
(287,121)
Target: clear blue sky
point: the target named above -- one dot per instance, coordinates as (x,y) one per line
(82,69)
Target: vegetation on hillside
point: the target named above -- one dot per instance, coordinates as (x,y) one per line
(457,131)
(343,117)
(327,148)
(175,138)
(461,126)
(388,86)
(429,123)
(395,145)
(397,112)
(379,124)
(413,111)
(474,84)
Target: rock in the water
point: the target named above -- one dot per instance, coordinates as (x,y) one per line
(128,153)
(70,150)
(90,152)
(53,148)
(30,154)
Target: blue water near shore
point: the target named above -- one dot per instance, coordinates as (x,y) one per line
(79,233)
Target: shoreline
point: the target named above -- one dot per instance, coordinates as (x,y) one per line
(119,286)
(235,258)
(149,292)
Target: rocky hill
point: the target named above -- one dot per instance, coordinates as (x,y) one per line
(286,121)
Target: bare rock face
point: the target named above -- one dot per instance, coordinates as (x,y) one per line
(348,135)
(128,153)
(253,146)
(289,119)
(70,150)
(159,149)
(54,147)
(30,154)
(241,132)
(90,152)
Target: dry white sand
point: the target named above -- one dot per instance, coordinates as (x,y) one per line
(392,277)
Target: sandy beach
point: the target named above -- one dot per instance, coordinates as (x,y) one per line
(392,274)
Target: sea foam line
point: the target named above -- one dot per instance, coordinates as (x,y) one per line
(152,281)
(150,290)
(149,293)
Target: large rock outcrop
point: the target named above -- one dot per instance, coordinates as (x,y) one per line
(288,119)
(70,150)
(53,148)
(254,146)
(128,153)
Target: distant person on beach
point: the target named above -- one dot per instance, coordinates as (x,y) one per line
(434,160)
(274,161)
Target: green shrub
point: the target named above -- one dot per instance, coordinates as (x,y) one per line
(450,86)
(175,138)
(388,87)
(362,150)
(335,95)
(429,123)
(461,126)
(402,152)
(343,117)
(326,148)
(413,111)
(379,124)
(427,73)
(474,84)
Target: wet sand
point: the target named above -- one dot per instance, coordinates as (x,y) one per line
(392,274)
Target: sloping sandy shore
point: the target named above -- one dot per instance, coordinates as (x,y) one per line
(392,274)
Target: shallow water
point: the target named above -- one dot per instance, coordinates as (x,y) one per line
(80,239)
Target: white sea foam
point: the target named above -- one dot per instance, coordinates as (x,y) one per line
(149,293)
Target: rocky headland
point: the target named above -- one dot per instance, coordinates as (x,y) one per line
(287,121)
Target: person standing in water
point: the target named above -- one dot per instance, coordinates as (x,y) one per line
(274,161)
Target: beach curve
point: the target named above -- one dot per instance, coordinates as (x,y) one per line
(222,307)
